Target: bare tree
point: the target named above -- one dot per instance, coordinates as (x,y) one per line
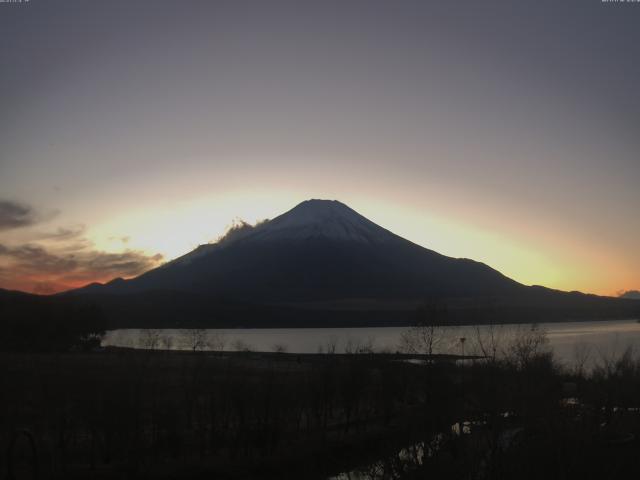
(611,363)
(359,345)
(195,339)
(527,344)
(488,340)
(240,345)
(429,332)
(279,348)
(149,339)
(332,341)
(581,355)
(423,339)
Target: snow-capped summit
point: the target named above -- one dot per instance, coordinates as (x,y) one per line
(311,219)
(328,219)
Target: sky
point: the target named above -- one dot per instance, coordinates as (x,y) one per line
(506,132)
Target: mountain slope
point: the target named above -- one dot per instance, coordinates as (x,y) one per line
(319,250)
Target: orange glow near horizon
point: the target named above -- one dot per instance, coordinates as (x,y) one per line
(552,259)
(469,142)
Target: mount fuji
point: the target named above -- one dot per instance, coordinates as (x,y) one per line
(319,250)
(321,256)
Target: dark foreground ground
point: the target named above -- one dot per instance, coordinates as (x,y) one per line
(160,415)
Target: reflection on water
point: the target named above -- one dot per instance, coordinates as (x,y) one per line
(397,465)
(409,459)
(572,342)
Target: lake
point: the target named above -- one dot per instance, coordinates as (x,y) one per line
(572,342)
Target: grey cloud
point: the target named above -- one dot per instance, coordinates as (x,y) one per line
(16,215)
(36,258)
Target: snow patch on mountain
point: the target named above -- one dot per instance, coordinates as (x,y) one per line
(329,219)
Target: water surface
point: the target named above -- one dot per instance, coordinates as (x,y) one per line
(571,342)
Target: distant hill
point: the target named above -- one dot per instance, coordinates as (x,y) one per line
(631,294)
(323,264)
(48,323)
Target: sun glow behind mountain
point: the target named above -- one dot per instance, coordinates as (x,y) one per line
(173,228)
(469,134)
(174,232)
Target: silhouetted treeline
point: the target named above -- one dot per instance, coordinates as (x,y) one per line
(172,309)
(34,323)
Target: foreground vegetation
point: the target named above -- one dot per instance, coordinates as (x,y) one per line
(161,414)
(502,409)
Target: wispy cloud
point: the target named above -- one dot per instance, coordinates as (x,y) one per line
(238,229)
(17,215)
(63,233)
(124,239)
